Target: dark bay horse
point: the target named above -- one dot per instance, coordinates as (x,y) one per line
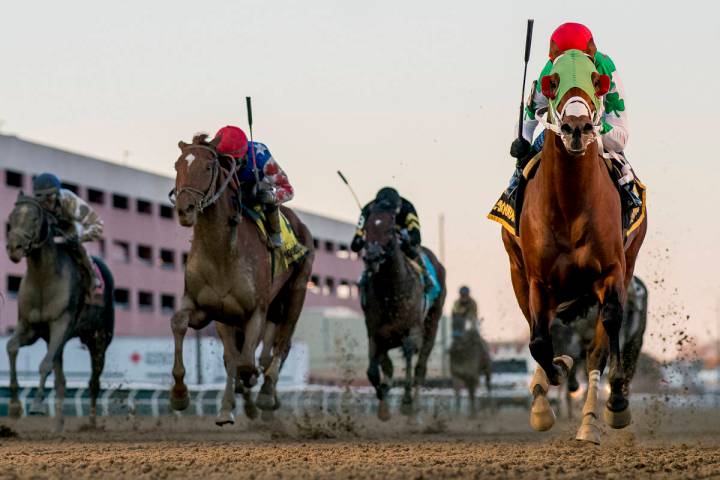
(576,338)
(395,312)
(469,359)
(51,306)
(572,251)
(228,279)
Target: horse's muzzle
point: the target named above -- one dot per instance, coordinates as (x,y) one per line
(187,214)
(15,251)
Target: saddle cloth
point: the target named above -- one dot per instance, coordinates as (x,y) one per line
(432,293)
(507,209)
(292,250)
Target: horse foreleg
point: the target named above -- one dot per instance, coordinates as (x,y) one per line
(22,336)
(179,396)
(59,393)
(97,350)
(247,372)
(597,357)
(617,408)
(373,374)
(407,401)
(226,414)
(58,328)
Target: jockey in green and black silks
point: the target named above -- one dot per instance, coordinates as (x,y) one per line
(614,122)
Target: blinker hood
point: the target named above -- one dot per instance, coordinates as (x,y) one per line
(575,69)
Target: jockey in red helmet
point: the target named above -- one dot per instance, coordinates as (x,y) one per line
(575,36)
(272,187)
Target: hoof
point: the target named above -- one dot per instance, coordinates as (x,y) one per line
(39,409)
(265,401)
(589,432)
(180,403)
(617,419)
(251,411)
(225,418)
(383,411)
(542,417)
(15,409)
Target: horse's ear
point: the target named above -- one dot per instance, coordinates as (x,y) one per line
(216,141)
(550,85)
(601,84)
(182,144)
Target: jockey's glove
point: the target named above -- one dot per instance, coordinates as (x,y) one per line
(520,148)
(266,195)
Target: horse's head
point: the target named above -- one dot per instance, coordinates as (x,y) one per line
(28,228)
(380,237)
(574,89)
(197,170)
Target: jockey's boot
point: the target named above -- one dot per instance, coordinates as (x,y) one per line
(272,214)
(630,198)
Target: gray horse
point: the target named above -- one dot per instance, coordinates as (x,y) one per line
(51,305)
(470,358)
(574,339)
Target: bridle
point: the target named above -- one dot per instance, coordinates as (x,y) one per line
(203,199)
(380,254)
(46,222)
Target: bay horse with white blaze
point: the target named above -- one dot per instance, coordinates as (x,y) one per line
(572,252)
(395,312)
(229,279)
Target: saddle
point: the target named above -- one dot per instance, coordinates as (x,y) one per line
(292,250)
(508,208)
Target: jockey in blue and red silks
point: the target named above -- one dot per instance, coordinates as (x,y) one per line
(273,187)
(614,133)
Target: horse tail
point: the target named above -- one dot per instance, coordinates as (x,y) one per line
(108,314)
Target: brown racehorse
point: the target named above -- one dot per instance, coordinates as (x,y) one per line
(228,279)
(572,252)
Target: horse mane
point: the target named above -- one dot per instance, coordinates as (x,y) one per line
(201,139)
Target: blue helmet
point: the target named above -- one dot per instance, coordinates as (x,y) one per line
(46,183)
(464,290)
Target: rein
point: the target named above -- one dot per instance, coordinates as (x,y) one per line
(212,194)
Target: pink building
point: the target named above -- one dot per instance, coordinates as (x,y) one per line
(143,244)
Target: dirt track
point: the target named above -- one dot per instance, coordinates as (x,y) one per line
(660,442)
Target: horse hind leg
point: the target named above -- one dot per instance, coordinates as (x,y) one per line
(270,365)
(97,350)
(373,373)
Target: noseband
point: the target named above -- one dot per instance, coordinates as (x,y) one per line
(202,200)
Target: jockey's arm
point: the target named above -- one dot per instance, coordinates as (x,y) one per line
(536,100)
(615,119)
(358,241)
(409,221)
(88,225)
(276,178)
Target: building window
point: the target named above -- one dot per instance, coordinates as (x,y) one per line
(144,253)
(7,229)
(166,211)
(167,258)
(329,246)
(70,186)
(316,243)
(343,290)
(13,285)
(184,258)
(14,179)
(145,301)
(343,251)
(120,251)
(119,201)
(96,196)
(144,207)
(122,298)
(314,284)
(329,287)
(167,303)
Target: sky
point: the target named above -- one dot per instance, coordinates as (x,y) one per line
(421,95)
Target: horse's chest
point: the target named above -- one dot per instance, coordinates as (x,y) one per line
(42,305)
(222,294)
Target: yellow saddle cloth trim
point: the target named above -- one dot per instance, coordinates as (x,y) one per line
(292,250)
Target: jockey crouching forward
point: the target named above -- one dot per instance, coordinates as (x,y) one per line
(614,132)
(270,188)
(406,222)
(77,222)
